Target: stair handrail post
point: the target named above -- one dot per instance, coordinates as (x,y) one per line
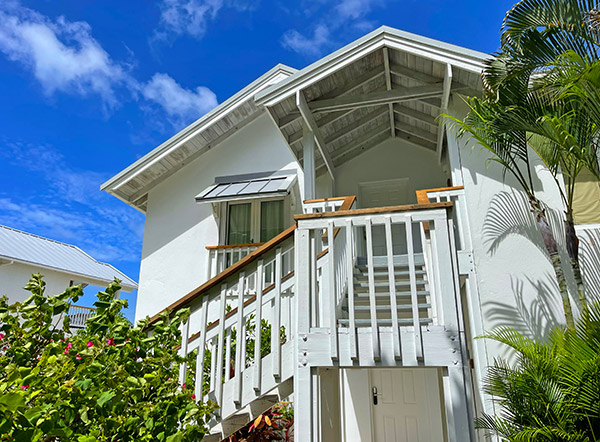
(303,403)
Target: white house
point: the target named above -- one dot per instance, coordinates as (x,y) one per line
(63,265)
(333,203)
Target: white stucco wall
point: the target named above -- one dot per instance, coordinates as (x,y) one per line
(177,229)
(516,282)
(13,277)
(394,158)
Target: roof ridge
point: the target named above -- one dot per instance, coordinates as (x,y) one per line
(44,238)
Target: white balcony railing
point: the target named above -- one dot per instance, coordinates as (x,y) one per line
(78,315)
(221,257)
(340,293)
(456,195)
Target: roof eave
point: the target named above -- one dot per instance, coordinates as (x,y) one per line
(384,36)
(203,122)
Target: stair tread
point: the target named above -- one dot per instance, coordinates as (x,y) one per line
(387,284)
(387,307)
(402,294)
(385,322)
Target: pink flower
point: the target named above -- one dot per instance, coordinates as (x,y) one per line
(183,386)
(1,336)
(78,357)
(25,387)
(110,342)
(67,351)
(193,396)
(69,346)
(90,344)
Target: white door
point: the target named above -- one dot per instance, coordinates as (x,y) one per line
(381,194)
(408,405)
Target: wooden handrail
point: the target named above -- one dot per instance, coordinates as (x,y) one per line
(231,270)
(422,197)
(347,200)
(213,282)
(374,210)
(235,246)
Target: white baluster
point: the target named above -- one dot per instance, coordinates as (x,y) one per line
(185,330)
(392,283)
(332,295)
(240,360)
(413,288)
(275,335)
(221,341)
(257,333)
(350,277)
(372,295)
(199,387)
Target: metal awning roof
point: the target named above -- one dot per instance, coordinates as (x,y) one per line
(241,187)
(26,248)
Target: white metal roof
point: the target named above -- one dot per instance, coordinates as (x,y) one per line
(26,248)
(133,183)
(242,187)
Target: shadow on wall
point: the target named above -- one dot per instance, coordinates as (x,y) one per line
(532,318)
(509,214)
(589,255)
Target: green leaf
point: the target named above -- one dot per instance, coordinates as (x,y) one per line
(177,437)
(12,401)
(105,397)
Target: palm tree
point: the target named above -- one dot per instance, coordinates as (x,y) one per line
(552,392)
(536,96)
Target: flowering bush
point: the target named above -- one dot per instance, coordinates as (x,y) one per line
(107,382)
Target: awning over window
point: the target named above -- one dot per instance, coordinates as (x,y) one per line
(240,187)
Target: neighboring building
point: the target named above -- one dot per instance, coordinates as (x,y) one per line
(332,202)
(23,254)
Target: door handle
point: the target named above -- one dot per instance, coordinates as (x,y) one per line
(375,394)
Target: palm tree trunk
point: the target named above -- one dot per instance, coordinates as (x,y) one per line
(573,251)
(552,249)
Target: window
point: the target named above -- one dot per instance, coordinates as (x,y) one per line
(240,225)
(255,221)
(271,219)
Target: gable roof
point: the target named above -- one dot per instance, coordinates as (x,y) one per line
(26,248)
(387,84)
(133,183)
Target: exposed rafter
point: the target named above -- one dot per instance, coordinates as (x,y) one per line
(419,142)
(414,130)
(388,85)
(421,77)
(341,91)
(444,108)
(415,114)
(377,98)
(312,125)
(356,125)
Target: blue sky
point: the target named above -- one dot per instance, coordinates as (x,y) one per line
(88,87)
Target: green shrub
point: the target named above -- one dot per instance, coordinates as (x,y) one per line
(110,381)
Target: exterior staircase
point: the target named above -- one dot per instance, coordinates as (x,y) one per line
(381,284)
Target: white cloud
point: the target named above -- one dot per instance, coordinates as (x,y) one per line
(63,55)
(72,209)
(191,17)
(188,16)
(335,17)
(313,45)
(181,105)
